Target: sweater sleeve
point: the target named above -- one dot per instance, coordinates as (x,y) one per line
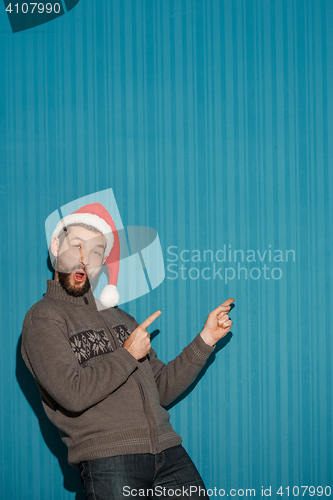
(50,358)
(175,377)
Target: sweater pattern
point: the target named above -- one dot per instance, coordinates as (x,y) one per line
(89,344)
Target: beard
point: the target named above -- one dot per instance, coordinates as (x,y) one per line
(76,290)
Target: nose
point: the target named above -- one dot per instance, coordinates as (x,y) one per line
(84,257)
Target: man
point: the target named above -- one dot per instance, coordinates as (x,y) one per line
(100,381)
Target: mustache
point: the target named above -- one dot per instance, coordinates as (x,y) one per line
(70,270)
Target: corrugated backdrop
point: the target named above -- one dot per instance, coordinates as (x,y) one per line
(211,120)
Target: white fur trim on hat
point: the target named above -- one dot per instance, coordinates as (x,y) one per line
(90,220)
(109,296)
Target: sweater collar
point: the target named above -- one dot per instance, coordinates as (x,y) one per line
(55,290)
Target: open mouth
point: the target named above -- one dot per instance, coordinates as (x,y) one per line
(79,276)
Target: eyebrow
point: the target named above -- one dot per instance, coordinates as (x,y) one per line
(82,239)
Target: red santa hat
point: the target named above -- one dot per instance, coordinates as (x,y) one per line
(98,217)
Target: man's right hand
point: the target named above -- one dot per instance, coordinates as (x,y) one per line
(138,343)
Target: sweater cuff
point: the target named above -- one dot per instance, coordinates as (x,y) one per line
(127,361)
(199,350)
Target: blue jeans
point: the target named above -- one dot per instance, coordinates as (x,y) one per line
(170,474)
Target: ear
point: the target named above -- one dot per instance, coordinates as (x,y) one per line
(54,247)
(104,260)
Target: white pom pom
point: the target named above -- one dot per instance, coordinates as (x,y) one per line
(109,296)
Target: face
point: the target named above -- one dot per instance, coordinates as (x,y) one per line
(79,259)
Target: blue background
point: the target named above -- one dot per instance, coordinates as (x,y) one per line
(212,123)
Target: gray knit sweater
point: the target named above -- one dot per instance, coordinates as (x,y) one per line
(103,401)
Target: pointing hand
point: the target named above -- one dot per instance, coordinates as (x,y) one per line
(217,324)
(138,343)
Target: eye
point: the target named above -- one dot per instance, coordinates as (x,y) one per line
(76,245)
(97,253)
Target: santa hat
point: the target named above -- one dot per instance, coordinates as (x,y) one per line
(97,216)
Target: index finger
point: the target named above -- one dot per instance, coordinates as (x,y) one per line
(150,319)
(223,306)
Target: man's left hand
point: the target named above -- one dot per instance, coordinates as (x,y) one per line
(218,323)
